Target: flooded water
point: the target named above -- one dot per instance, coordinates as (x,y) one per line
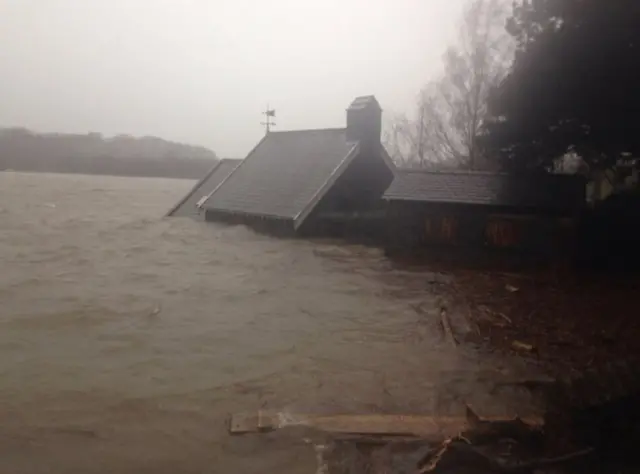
(127,338)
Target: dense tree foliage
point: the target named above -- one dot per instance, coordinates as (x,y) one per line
(574,85)
(23,150)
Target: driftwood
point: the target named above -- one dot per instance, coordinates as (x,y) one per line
(522,346)
(429,428)
(431,461)
(462,440)
(446,327)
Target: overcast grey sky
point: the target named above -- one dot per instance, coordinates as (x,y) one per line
(201,71)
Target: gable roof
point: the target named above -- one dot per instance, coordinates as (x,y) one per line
(549,191)
(218,173)
(285,174)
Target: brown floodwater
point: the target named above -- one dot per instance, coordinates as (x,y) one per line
(127,338)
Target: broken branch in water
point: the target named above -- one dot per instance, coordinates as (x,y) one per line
(431,460)
(446,327)
(505,317)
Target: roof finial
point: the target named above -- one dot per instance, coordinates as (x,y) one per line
(269,115)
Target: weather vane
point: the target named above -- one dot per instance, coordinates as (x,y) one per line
(269,114)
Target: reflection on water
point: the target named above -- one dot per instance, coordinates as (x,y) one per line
(127,338)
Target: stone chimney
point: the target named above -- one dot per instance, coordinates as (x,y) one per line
(364,121)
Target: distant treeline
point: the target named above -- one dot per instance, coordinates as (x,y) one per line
(122,155)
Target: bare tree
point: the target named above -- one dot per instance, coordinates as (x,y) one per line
(406,139)
(451,107)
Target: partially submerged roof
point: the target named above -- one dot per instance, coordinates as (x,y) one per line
(285,174)
(215,176)
(560,192)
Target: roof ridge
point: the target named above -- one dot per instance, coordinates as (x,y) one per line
(454,172)
(463,172)
(195,187)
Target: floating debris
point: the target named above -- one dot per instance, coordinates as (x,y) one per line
(522,346)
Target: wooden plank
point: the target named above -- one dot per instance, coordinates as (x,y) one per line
(426,427)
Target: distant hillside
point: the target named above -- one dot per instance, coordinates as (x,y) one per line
(122,155)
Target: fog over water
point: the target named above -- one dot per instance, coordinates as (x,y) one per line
(202,71)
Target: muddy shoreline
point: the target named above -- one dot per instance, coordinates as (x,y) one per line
(564,323)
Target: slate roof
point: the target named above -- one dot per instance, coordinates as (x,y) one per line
(285,174)
(559,192)
(187,205)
